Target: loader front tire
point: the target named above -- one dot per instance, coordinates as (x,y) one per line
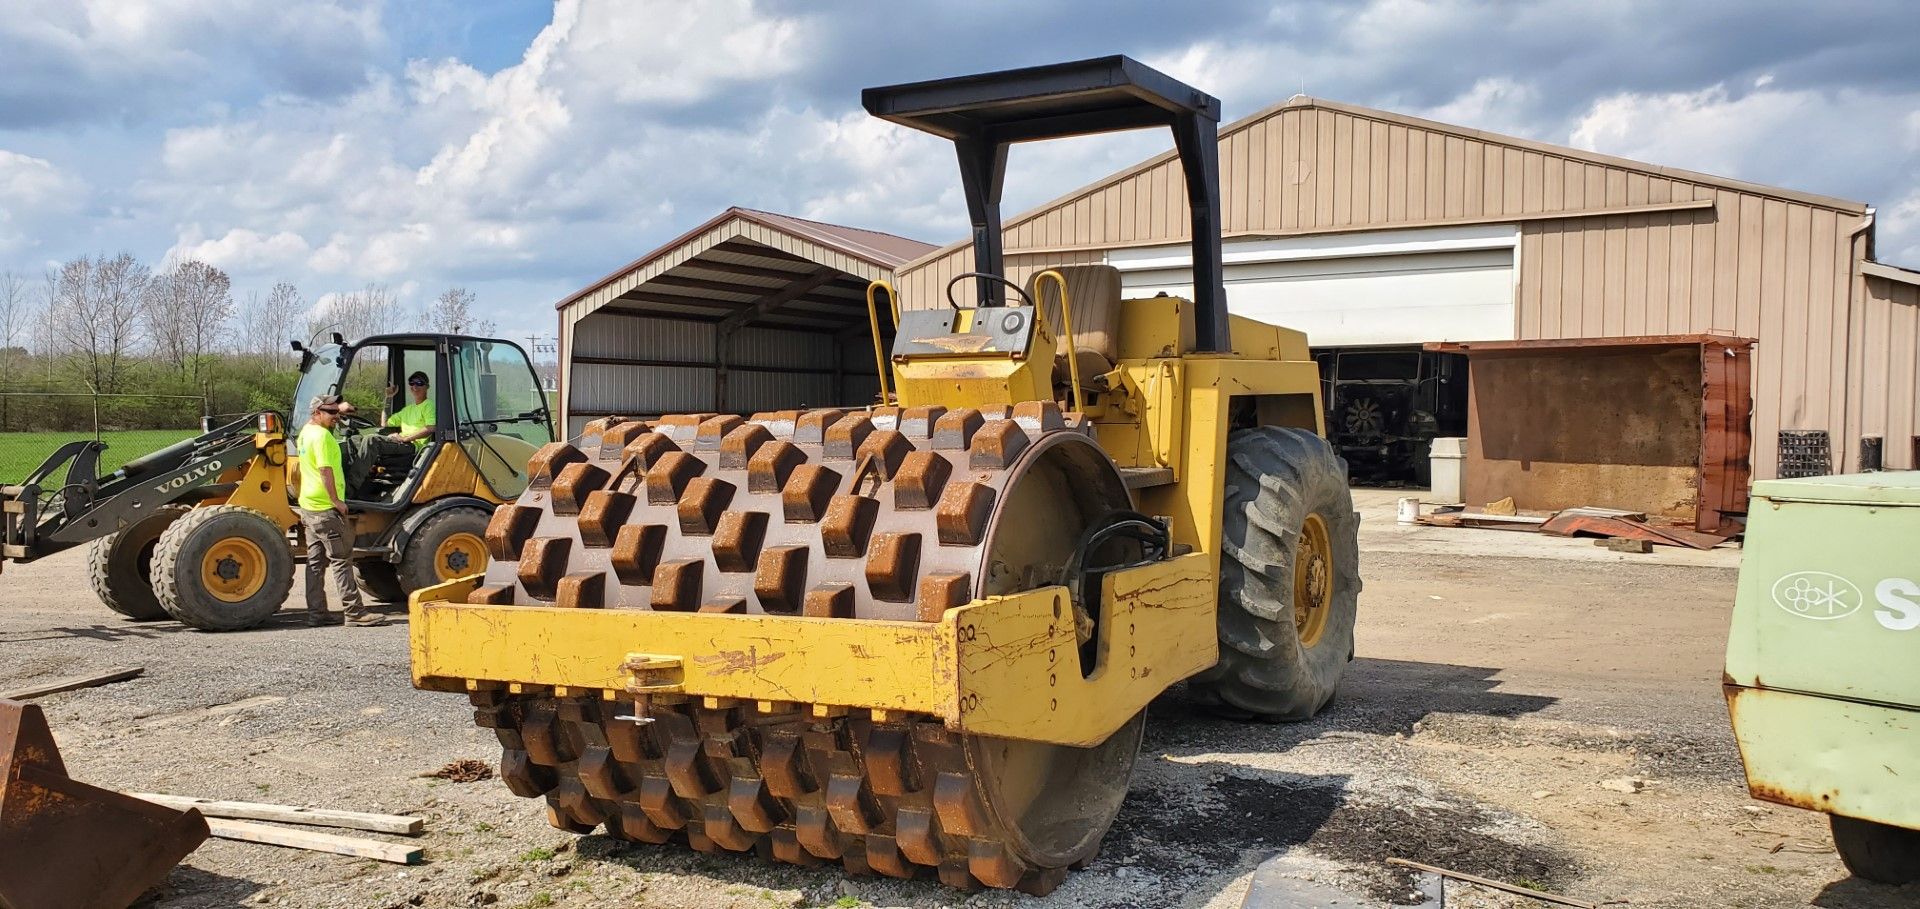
(120,565)
(1289,578)
(223,568)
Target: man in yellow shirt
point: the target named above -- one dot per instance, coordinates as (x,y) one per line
(323,515)
(416,420)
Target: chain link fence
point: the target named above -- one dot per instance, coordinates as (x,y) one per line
(34,424)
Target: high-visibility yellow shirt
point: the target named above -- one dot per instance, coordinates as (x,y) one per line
(318,449)
(415,417)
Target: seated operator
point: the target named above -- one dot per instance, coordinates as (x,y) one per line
(392,450)
(414,422)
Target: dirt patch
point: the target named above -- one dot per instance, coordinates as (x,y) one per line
(1238,816)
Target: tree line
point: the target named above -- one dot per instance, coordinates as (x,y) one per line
(111,325)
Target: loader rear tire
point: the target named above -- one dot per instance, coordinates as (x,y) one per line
(119,565)
(223,568)
(1289,578)
(451,544)
(1876,851)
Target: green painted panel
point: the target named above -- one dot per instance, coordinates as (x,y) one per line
(1858,760)
(1826,634)
(1901,487)
(1829,601)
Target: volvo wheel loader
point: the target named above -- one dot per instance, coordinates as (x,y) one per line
(202,531)
(920,637)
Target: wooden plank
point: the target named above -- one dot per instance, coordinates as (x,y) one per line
(1500,518)
(246,832)
(72,683)
(405,825)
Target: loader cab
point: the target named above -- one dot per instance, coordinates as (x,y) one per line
(489,409)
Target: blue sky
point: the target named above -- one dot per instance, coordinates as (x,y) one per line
(520,150)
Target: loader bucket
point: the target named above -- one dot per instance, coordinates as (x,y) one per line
(67,845)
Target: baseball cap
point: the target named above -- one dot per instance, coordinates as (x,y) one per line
(331,404)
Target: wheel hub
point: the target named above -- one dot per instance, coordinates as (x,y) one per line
(459,555)
(234,569)
(1312,580)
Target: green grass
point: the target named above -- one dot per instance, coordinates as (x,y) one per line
(21,452)
(537,854)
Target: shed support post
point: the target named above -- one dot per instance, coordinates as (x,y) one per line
(721,340)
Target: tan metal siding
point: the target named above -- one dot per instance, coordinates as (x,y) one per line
(1775,265)
(1885,335)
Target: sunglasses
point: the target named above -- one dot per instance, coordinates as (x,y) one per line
(413,384)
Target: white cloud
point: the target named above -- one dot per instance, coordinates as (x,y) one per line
(447,169)
(1709,129)
(74,59)
(1496,104)
(1899,234)
(242,250)
(32,189)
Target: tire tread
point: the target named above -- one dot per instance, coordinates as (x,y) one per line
(1275,476)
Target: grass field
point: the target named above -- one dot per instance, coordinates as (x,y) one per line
(21,452)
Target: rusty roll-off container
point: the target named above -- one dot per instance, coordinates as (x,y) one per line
(1822,682)
(1655,423)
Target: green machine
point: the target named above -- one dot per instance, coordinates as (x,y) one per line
(1823,661)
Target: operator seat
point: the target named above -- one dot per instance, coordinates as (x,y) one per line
(1094,293)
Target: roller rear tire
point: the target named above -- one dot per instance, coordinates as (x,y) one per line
(223,568)
(1289,578)
(120,565)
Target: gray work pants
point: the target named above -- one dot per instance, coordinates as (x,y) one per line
(330,551)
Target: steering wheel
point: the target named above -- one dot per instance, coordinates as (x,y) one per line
(355,423)
(981,274)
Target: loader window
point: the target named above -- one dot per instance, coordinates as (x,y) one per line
(500,411)
(321,378)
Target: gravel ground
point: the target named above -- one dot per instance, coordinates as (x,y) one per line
(1491,700)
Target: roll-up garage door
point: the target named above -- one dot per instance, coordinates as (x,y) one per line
(1403,287)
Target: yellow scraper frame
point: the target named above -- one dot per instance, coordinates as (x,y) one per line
(1004,666)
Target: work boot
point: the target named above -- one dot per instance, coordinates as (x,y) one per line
(320,619)
(367,620)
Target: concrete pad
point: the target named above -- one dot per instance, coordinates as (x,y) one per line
(1381,532)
